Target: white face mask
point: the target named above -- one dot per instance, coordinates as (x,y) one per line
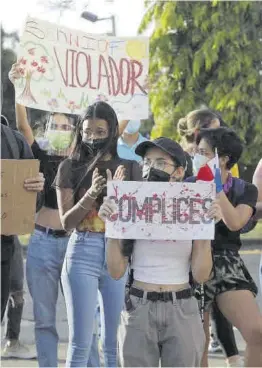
(198,162)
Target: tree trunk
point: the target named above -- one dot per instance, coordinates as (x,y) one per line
(26,95)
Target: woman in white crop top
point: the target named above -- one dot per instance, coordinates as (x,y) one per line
(161,320)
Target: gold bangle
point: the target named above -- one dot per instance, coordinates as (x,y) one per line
(82,206)
(90,196)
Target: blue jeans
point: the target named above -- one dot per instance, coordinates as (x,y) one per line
(45,258)
(84,272)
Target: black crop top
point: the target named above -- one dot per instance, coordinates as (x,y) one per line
(48,166)
(73,175)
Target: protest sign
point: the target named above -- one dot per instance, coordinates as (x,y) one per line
(167,211)
(17,204)
(64,70)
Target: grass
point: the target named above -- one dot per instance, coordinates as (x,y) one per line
(256,233)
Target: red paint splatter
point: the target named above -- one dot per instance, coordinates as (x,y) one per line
(44,59)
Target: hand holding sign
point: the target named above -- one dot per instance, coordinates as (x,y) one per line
(35,184)
(14,73)
(214,211)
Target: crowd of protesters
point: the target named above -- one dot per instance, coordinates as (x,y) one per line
(148,295)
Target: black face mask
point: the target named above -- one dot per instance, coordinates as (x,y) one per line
(93,147)
(156,175)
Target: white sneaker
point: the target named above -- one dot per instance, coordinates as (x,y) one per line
(214,347)
(14,349)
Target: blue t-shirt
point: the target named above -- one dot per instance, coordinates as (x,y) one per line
(128,153)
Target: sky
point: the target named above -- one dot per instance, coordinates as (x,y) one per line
(128,15)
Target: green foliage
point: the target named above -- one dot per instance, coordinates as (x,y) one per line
(207,53)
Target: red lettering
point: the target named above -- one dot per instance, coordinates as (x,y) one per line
(59,31)
(73,69)
(102,63)
(124,83)
(115,76)
(83,68)
(105,43)
(64,76)
(76,41)
(134,75)
(90,73)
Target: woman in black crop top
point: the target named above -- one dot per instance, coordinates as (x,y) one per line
(232,287)
(81,186)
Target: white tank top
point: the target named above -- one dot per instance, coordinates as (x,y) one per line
(162,261)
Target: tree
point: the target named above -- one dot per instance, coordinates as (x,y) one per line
(35,64)
(207,53)
(7,59)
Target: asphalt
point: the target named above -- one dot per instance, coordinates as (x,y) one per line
(251,252)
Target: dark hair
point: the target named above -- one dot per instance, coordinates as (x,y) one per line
(226,142)
(99,110)
(193,122)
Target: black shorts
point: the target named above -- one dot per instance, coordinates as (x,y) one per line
(230,273)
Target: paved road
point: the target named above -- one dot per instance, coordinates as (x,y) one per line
(251,256)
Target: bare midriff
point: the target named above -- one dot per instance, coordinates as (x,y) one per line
(159,287)
(49,217)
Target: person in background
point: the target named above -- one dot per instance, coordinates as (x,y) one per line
(189,127)
(14,146)
(232,287)
(257,180)
(129,140)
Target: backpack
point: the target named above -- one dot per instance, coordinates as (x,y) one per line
(12,143)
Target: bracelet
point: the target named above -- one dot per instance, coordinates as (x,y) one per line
(82,206)
(90,196)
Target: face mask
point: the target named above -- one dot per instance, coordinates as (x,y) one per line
(199,161)
(156,175)
(43,143)
(59,140)
(133,127)
(93,147)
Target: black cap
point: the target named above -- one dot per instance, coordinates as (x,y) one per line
(167,145)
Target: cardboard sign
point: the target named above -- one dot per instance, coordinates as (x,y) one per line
(65,70)
(167,211)
(18,205)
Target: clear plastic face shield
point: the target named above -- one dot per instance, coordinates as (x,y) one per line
(58,135)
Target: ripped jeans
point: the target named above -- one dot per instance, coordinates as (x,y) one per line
(16,299)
